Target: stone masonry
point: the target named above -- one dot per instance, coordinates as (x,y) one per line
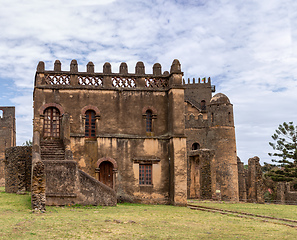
(18,165)
(7,136)
(250,181)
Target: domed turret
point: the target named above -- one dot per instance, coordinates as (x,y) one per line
(219,98)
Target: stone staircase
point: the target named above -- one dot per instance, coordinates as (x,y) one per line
(66,184)
(52,149)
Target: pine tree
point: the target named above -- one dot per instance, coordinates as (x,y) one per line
(285,153)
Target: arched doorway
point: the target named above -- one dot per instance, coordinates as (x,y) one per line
(51,128)
(106,173)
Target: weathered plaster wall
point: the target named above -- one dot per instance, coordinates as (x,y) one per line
(121,112)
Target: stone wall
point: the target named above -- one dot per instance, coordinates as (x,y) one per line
(68,185)
(18,164)
(7,136)
(242,181)
(250,181)
(201,174)
(284,195)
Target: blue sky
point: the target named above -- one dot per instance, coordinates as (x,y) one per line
(248,48)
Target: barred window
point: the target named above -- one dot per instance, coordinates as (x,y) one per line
(145,174)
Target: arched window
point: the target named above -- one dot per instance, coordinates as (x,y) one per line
(51,122)
(195,146)
(149,116)
(90,124)
(212,117)
(229,117)
(203,106)
(1,113)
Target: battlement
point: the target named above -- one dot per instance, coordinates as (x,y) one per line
(123,79)
(198,83)
(6,112)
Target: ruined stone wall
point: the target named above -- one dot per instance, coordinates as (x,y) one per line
(18,164)
(7,136)
(242,181)
(255,184)
(284,195)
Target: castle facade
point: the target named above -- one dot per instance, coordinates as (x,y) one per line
(150,138)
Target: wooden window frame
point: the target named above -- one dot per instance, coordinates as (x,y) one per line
(145,174)
(90,124)
(51,124)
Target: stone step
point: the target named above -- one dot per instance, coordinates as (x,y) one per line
(54,158)
(52,150)
(54,155)
(50,154)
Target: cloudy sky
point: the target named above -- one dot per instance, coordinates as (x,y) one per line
(247,47)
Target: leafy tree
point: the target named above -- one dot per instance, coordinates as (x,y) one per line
(28,143)
(285,155)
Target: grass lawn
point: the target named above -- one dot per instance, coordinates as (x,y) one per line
(130,221)
(278,211)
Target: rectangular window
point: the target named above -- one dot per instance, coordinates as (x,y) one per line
(145,174)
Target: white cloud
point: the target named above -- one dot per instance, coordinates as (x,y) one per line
(247,47)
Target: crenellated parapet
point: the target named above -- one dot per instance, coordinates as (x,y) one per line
(107,79)
(199,83)
(196,122)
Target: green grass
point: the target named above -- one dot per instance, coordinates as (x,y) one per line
(128,221)
(277,211)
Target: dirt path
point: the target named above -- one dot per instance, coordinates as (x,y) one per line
(281,221)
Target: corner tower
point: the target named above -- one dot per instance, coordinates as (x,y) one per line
(221,138)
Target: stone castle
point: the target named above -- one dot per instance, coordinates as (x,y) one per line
(99,138)
(148,138)
(103,138)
